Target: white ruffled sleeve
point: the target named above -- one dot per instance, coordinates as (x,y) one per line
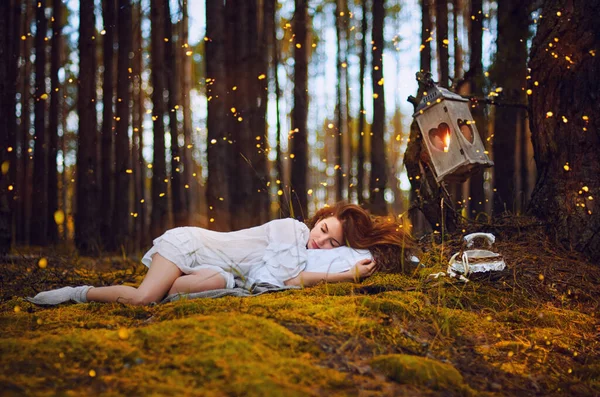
(286,254)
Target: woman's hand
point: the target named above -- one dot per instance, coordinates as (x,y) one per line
(363,269)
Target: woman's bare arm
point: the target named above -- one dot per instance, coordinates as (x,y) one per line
(361,270)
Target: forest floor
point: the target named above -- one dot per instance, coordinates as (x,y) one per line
(532,329)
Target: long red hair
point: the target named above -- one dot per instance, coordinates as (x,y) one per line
(379,234)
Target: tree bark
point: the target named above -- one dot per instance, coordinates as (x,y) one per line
(258,100)
(39,219)
(477,194)
(340,119)
(160,188)
(509,72)
(362,123)
(137,116)
(180,215)
(298,139)
(23,186)
(441,34)
(87,189)
(378,179)
(240,186)
(566,141)
(10,15)
(458,57)
(191,206)
(107,132)
(55,104)
(218,146)
(426,27)
(121,214)
(270,17)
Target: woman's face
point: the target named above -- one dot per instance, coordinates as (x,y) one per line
(326,234)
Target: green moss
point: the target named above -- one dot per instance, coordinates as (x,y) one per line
(223,354)
(421,371)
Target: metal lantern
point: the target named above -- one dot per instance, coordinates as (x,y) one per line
(449,132)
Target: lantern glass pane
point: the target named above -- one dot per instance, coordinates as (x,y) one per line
(466,130)
(440,137)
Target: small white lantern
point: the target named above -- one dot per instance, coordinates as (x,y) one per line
(450,135)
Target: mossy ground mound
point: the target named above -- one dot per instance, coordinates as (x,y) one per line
(532,329)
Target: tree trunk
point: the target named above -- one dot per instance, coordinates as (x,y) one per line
(10,15)
(378,179)
(240,187)
(258,100)
(426,26)
(55,100)
(455,189)
(298,139)
(160,187)
(137,116)
(39,219)
(441,34)
(477,194)
(458,58)
(566,141)
(86,216)
(180,216)
(270,23)
(191,206)
(340,119)
(121,215)
(218,147)
(23,187)
(362,123)
(107,132)
(509,72)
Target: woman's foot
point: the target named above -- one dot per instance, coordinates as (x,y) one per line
(60,295)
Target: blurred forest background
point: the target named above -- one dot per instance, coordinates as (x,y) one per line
(117,126)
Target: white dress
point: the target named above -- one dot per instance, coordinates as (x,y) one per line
(271,253)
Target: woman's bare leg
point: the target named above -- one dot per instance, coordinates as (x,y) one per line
(201,280)
(157,282)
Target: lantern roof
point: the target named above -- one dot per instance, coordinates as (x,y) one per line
(433,93)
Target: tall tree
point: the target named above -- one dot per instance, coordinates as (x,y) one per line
(160,187)
(180,216)
(426,27)
(137,114)
(186,87)
(55,103)
(246,65)
(299,137)
(441,34)
(456,11)
(10,12)
(378,179)
(121,214)
(362,123)
(453,188)
(39,219)
(259,87)
(565,123)
(108,125)
(476,81)
(509,72)
(341,14)
(270,23)
(23,186)
(218,148)
(87,189)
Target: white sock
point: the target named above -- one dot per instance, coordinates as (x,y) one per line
(60,295)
